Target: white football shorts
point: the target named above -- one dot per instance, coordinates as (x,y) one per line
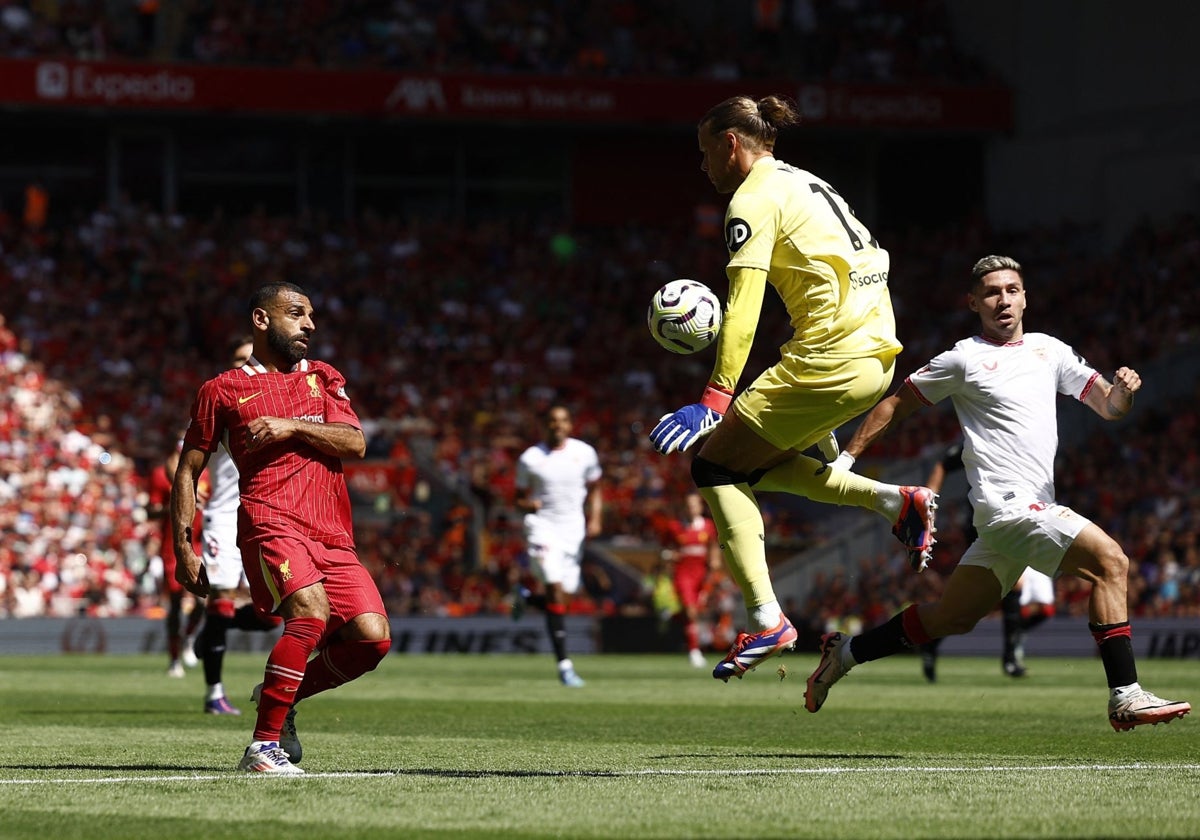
(1036,588)
(222,556)
(553,563)
(1036,537)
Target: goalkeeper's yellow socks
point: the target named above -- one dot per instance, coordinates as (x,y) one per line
(741,532)
(808,477)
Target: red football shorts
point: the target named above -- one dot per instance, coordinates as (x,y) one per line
(689,581)
(170,586)
(278,565)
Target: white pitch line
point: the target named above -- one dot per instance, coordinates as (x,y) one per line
(986,769)
(609,774)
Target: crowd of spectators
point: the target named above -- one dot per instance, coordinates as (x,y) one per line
(845,40)
(454,337)
(73,524)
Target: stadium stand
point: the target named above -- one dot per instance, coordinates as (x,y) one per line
(454,333)
(851,40)
(461,332)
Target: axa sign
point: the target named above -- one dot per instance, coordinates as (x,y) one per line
(417,94)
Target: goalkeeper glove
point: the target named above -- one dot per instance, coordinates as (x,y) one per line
(677,431)
(828,447)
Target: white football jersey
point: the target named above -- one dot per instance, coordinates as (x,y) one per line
(222,505)
(1005,397)
(559,479)
(222,556)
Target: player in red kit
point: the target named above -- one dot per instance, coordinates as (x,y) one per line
(697,554)
(179,636)
(287,423)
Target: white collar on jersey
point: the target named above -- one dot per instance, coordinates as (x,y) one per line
(254,367)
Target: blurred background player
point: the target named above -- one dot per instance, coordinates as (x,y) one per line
(558,490)
(790,229)
(288,423)
(1035,602)
(696,554)
(180,634)
(223,566)
(1029,603)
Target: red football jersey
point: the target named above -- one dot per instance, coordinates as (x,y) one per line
(159,491)
(289,486)
(693,539)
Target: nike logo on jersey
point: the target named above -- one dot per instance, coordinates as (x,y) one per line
(989,366)
(244,400)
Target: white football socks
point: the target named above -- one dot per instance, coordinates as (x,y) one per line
(848,660)
(766,616)
(888,501)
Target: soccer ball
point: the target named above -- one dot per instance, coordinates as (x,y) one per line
(684,316)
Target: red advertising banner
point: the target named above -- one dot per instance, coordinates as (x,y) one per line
(64,84)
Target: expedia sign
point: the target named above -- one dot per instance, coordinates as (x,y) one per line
(86,83)
(66,83)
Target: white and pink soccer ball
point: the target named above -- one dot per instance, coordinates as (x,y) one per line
(684,316)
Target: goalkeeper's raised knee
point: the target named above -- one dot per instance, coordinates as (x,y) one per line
(707,473)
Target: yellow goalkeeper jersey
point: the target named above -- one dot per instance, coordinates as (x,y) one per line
(826,267)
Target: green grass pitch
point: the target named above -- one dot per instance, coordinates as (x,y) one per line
(492,746)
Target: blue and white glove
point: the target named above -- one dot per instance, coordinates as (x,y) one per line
(677,431)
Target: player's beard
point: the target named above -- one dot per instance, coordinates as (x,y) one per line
(285,345)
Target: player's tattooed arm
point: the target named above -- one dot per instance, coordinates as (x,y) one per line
(1113,401)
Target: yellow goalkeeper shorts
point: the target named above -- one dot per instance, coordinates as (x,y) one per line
(796,403)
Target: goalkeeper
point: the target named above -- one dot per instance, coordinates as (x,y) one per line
(789,228)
